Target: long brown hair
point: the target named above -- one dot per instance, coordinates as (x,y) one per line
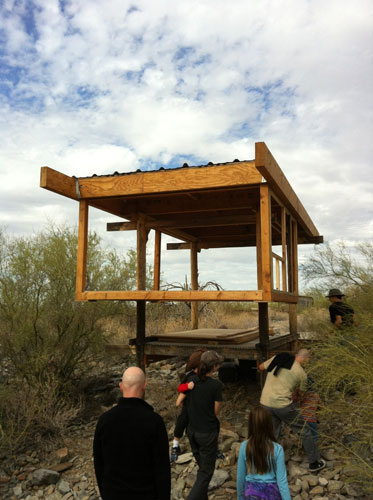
(259,448)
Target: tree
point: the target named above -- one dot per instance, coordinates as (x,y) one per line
(339,266)
(43,330)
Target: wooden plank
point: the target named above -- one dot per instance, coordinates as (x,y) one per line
(58,183)
(268,167)
(239,198)
(295,256)
(266,242)
(81,270)
(293,319)
(197,222)
(194,283)
(142,237)
(246,337)
(208,333)
(277,273)
(283,245)
(161,181)
(177,296)
(121,226)
(263,324)
(258,250)
(205,245)
(280,296)
(157,261)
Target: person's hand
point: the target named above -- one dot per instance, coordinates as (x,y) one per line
(190,385)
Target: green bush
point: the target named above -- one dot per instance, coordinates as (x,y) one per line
(47,339)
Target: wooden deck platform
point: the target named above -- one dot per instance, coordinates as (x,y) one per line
(251,350)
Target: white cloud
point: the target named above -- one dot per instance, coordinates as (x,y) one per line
(93,87)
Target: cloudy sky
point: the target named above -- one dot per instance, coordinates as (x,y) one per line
(88,86)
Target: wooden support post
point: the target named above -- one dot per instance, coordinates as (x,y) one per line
(283,244)
(142,236)
(258,250)
(266,241)
(293,320)
(157,260)
(81,270)
(194,283)
(263,335)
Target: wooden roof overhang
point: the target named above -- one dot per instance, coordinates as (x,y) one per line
(213,205)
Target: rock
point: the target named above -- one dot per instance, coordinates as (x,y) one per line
(323,481)
(295,488)
(317,490)
(335,486)
(328,454)
(312,480)
(62,455)
(226,445)
(229,433)
(295,470)
(219,478)
(44,476)
(184,458)
(18,490)
(62,467)
(349,490)
(305,485)
(63,487)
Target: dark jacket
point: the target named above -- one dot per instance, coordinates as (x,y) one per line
(130,451)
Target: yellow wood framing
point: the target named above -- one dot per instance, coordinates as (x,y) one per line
(268,167)
(216,176)
(81,269)
(177,296)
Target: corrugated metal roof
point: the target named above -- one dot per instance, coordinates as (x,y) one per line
(185,165)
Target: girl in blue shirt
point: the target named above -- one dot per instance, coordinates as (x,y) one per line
(261,472)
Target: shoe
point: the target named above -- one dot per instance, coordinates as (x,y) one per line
(220,455)
(175,452)
(318,465)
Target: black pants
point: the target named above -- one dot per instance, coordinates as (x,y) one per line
(204,447)
(181,422)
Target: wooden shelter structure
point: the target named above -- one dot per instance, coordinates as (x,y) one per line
(236,204)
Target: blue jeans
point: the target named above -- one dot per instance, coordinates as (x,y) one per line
(313,428)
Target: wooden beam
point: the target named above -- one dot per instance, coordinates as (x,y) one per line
(295,256)
(283,245)
(293,319)
(266,242)
(242,198)
(157,261)
(270,170)
(177,296)
(161,181)
(258,250)
(202,222)
(81,269)
(59,183)
(194,284)
(205,245)
(121,226)
(142,237)
(279,296)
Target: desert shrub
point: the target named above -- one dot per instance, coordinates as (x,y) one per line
(34,415)
(343,370)
(43,331)
(47,339)
(343,357)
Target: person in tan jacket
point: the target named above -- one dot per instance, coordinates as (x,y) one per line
(285,374)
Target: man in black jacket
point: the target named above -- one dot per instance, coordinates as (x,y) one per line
(130,447)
